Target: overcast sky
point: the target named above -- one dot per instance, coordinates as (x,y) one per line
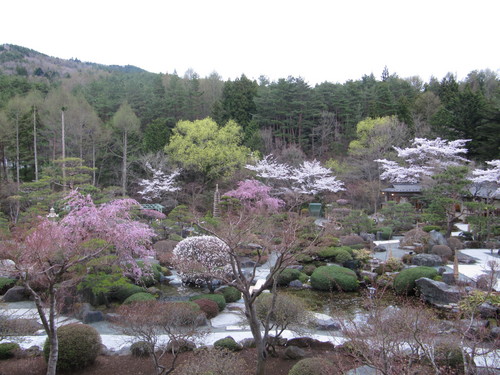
(318,40)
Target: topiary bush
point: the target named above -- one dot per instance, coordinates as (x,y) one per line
(404,282)
(217,298)
(334,278)
(288,275)
(79,346)
(443,251)
(227,343)
(342,256)
(209,307)
(139,297)
(8,349)
(313,366)
(140,349)
(121,292)
(230,293)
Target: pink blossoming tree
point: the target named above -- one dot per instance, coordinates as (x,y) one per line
(45,255)
(254,194)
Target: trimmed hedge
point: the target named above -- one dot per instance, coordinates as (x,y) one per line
(334,278)
(288,275)
(230,293)
(404,282)
(7,349)
(79,346)
(217,298)
(139,297)
(313,366)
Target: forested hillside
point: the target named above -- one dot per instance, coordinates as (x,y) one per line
(101,125)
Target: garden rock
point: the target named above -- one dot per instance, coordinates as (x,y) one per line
(495,333)
(488,311)
(87,315)
(181,346)
(247,263)
(437,292)
(294,352)
(436,238)
(308,342)
(380,249)
(465,259)
(15,294)
(247,343)
(363,370)
(448,278)
(296,284)
(428,260)
(323,322)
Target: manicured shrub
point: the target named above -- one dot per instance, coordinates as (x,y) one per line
(334,278)
(121,292)
(309,269)
(227,343)
(342,256)
(455,244)
(7,349)
(209,307)
(230,293)
(385,233)
(217,298)
(345,253)
(140,349)
(79,346)
(139,297)
(6,283)
(443,251)
(303,278)
(287,275)
(428,228)
(313,366)
(404,282)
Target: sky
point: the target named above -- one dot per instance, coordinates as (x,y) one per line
(318,40)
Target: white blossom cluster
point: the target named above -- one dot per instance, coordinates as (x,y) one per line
(425,158)
(488,175)
(309,178)
(159,184)
(202,256)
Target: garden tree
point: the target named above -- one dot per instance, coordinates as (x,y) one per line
(237,103)
(5,129)
(490,175)
(425,158)
(15,109)
(147,321)
(157,134)
(445,197)
(126,124)
(45,255)
(193,94)
(237,227)
(254,194)
(399,216)
(206,149)
(175,96)
(35,100)
(211,87)
(160,183)
(375,138)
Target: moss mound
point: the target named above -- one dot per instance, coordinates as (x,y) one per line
(404,283)
(334,278)
(79,346)
(313,366)
(138,297)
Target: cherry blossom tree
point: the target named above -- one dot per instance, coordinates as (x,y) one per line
(425,158)
(159,184)
(309,178)
(255,195)
(45,255)
(202,258)
(488,175)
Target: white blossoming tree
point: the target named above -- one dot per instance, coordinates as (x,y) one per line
(425,157)
(488,175)
(160,184)
(202,258)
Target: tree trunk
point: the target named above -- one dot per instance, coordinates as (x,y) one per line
(124,165)
(63,149)
(17,152)
(35,143)
(255,327)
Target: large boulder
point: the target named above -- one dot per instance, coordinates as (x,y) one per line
(437,292)
(323,322)
(436,238)
(308,342)
(87,315)
(427,260)
(16,294)
(294,352)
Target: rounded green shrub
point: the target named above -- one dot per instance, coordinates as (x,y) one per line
(230,293)
(303,278)
(428,228)
(6,283)
(79,346)
(217,298)
(121,292)
(227,343)
(288,275)
(313,366)
(7,349)
(209,307)
(334,278)
(138,297)
(342,256)
(404,282)
(140,349)
(309,269)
